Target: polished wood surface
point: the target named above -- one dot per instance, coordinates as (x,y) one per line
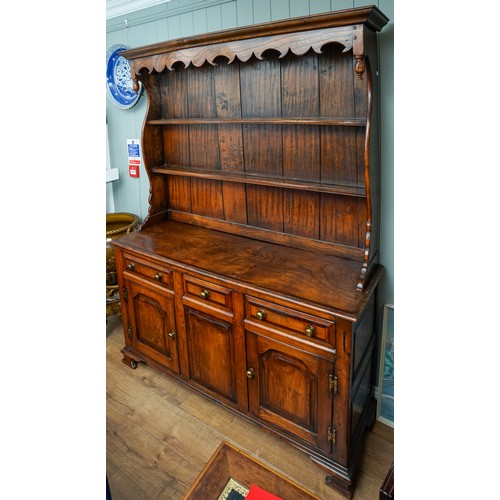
(150,323)
(252,280)
(324,280)
(160,436)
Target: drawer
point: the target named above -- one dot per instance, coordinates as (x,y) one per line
(156,272)
(282,318)
(204,291)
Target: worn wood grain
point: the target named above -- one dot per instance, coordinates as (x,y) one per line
(323,279)
(175,139)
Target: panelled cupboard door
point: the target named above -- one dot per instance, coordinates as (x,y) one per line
(211,354)
(288,388)
(151,327)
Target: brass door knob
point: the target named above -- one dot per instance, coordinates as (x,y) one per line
(205,294)
(131,266)
(261,314)
(171,335)
(310,331)
(158,276)
(250,373)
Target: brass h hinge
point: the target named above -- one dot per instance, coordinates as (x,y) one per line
(332,435)
(125,293)
(333,384)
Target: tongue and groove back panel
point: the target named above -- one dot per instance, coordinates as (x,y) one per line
(309,86)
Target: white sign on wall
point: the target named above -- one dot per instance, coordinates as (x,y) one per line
(134,157)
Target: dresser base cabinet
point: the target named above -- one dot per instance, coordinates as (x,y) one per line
(252,279)
(301,370)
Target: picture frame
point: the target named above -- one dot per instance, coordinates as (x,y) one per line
(385,397)
(231,472)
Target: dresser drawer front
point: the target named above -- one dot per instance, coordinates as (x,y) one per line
(206,292)
(157,273)
(279,317)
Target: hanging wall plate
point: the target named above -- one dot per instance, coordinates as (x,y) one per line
(118,81)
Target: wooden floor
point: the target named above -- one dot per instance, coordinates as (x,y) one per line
(160,435)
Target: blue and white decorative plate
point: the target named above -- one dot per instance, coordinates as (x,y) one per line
(119,84)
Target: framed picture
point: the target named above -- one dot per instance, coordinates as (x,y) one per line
(385,405)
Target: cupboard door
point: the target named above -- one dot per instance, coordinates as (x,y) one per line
(151,329)
(210,343)
(289,388)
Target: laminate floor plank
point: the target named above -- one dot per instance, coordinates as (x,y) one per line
(377,455)
(122,485)
(367,486)
(146,459)
(165,419)
(386,432)
(160,434)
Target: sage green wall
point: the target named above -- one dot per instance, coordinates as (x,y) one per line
(180,18)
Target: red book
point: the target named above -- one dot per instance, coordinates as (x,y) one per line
(256,493)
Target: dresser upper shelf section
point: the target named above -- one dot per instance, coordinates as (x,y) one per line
(345,27)
(269,132)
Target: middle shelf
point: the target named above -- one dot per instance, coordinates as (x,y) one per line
(230,176)
(277,120)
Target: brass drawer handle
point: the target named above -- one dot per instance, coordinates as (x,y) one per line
(158,276)
(205,294)
(310,331)
(171,335)
(131,266)
(250,373)
(261,315)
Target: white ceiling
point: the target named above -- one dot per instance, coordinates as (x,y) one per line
(115,8)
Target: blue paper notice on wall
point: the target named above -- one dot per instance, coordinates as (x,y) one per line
(133,149)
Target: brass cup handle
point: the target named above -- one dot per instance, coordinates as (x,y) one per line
(171,335)
(158,276)
(261,314)
(205,294)
(310,331)
(131,266)
(250,373)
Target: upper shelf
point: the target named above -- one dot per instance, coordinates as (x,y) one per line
(347,122)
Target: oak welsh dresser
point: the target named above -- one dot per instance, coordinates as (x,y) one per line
(253,277)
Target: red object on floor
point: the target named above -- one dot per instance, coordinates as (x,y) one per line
(256,493)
